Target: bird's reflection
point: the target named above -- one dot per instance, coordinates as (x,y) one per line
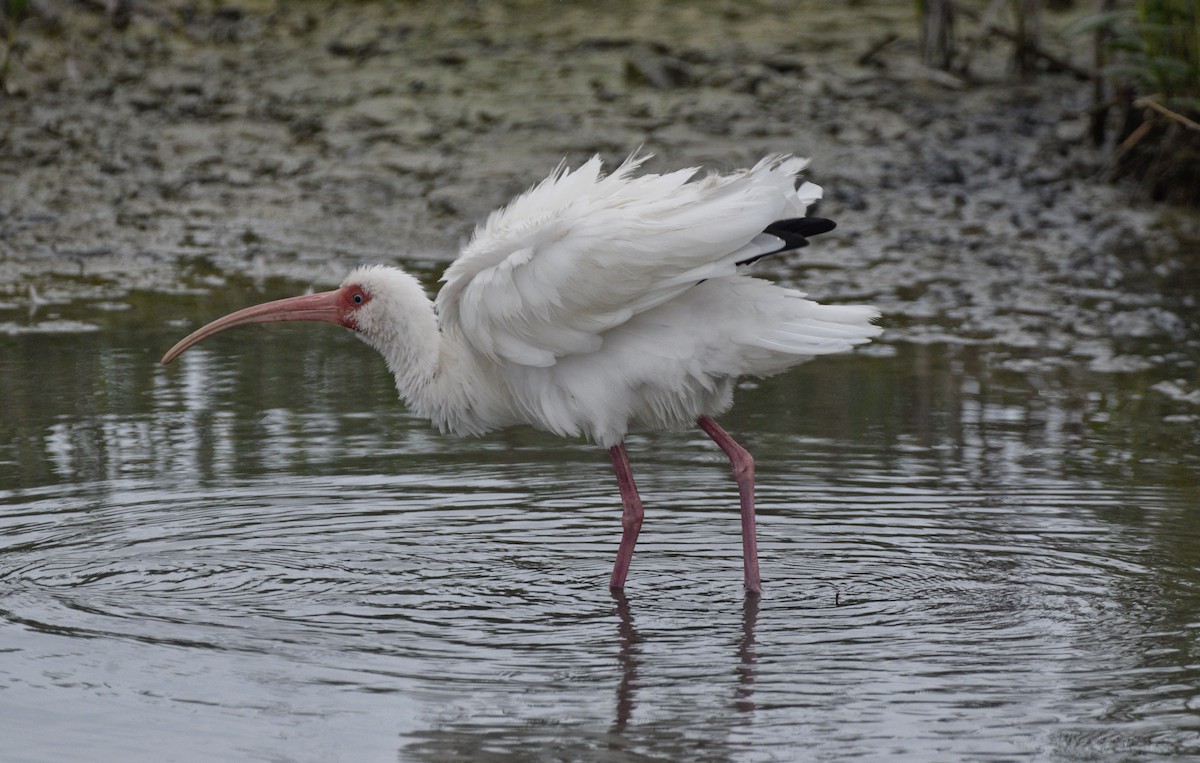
(747,670)
(628,659)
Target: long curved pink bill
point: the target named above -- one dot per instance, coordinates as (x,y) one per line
(309,307)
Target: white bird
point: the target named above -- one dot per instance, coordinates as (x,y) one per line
(595,304)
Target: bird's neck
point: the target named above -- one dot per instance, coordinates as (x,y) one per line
(435,372)
(437,376)
(400,323)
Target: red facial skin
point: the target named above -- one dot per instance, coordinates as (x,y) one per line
(338,306)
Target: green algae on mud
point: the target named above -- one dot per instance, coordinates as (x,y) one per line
(294,140)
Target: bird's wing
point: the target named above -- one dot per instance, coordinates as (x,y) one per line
(581,253)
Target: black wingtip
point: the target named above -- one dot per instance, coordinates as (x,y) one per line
(794,234)
(801,226)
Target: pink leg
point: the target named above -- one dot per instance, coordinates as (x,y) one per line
(631,515)
(743,472)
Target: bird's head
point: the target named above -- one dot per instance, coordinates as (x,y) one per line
(363,303)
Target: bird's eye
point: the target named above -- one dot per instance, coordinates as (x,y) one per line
(358,298)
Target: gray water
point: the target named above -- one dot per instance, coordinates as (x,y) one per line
(257,554)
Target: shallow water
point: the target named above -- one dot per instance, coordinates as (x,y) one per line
(257,554)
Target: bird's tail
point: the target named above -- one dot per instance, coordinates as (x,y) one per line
(814,329)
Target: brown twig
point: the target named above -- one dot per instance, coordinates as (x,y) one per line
(1148,103)
(1135,137)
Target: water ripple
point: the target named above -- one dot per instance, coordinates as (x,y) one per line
(921,611)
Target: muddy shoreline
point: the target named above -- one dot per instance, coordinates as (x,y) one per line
(206,142)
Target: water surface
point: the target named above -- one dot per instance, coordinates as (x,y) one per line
(258,554)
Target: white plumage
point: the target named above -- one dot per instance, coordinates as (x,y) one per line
(594,304)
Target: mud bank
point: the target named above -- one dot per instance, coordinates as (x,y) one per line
(193,143)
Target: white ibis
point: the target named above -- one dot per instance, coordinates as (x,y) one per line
(594,304)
